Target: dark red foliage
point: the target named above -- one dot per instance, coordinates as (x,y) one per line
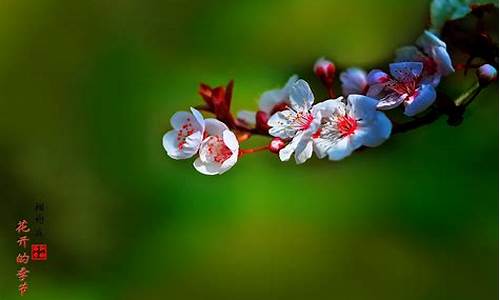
(218,101)
(261,119)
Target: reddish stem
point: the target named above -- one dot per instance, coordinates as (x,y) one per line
(331,92)
(253,150)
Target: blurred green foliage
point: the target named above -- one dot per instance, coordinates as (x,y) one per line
(87,90)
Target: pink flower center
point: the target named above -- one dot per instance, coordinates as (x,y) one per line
(186,130)
(408,87)
(216,150)
(303,120)
(346,125)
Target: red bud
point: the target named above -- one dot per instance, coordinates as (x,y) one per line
(276,145)
(486,74)
(325,70)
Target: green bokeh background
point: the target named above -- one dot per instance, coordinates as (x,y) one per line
(87,89)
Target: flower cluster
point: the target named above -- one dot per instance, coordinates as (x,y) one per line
(333,128)
(300,126)
(416,72)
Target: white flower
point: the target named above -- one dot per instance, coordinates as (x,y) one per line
(184,140)
(347,126)
(218,151)
(404,87)
(297,123)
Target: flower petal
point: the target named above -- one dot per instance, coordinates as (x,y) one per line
(354,81)
(429,40)
(247,116)
(199,119)
(376,132)
(341,149)
(391,101)
(287,151)
(301,96)
(214,127)
(303,151)
(363,108)
(230,140)
(377,76)
(425,97)
(169,142)
(229,163)
(207,168)
(406,71)
(408,53)
(192,143)
(443,61)
(291,81)
(375,91)
(320,147)
(271,98)
(314,126)
(327,107)
(179,119)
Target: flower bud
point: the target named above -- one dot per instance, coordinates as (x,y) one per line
(486,74)
(276,145)
(325,70)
